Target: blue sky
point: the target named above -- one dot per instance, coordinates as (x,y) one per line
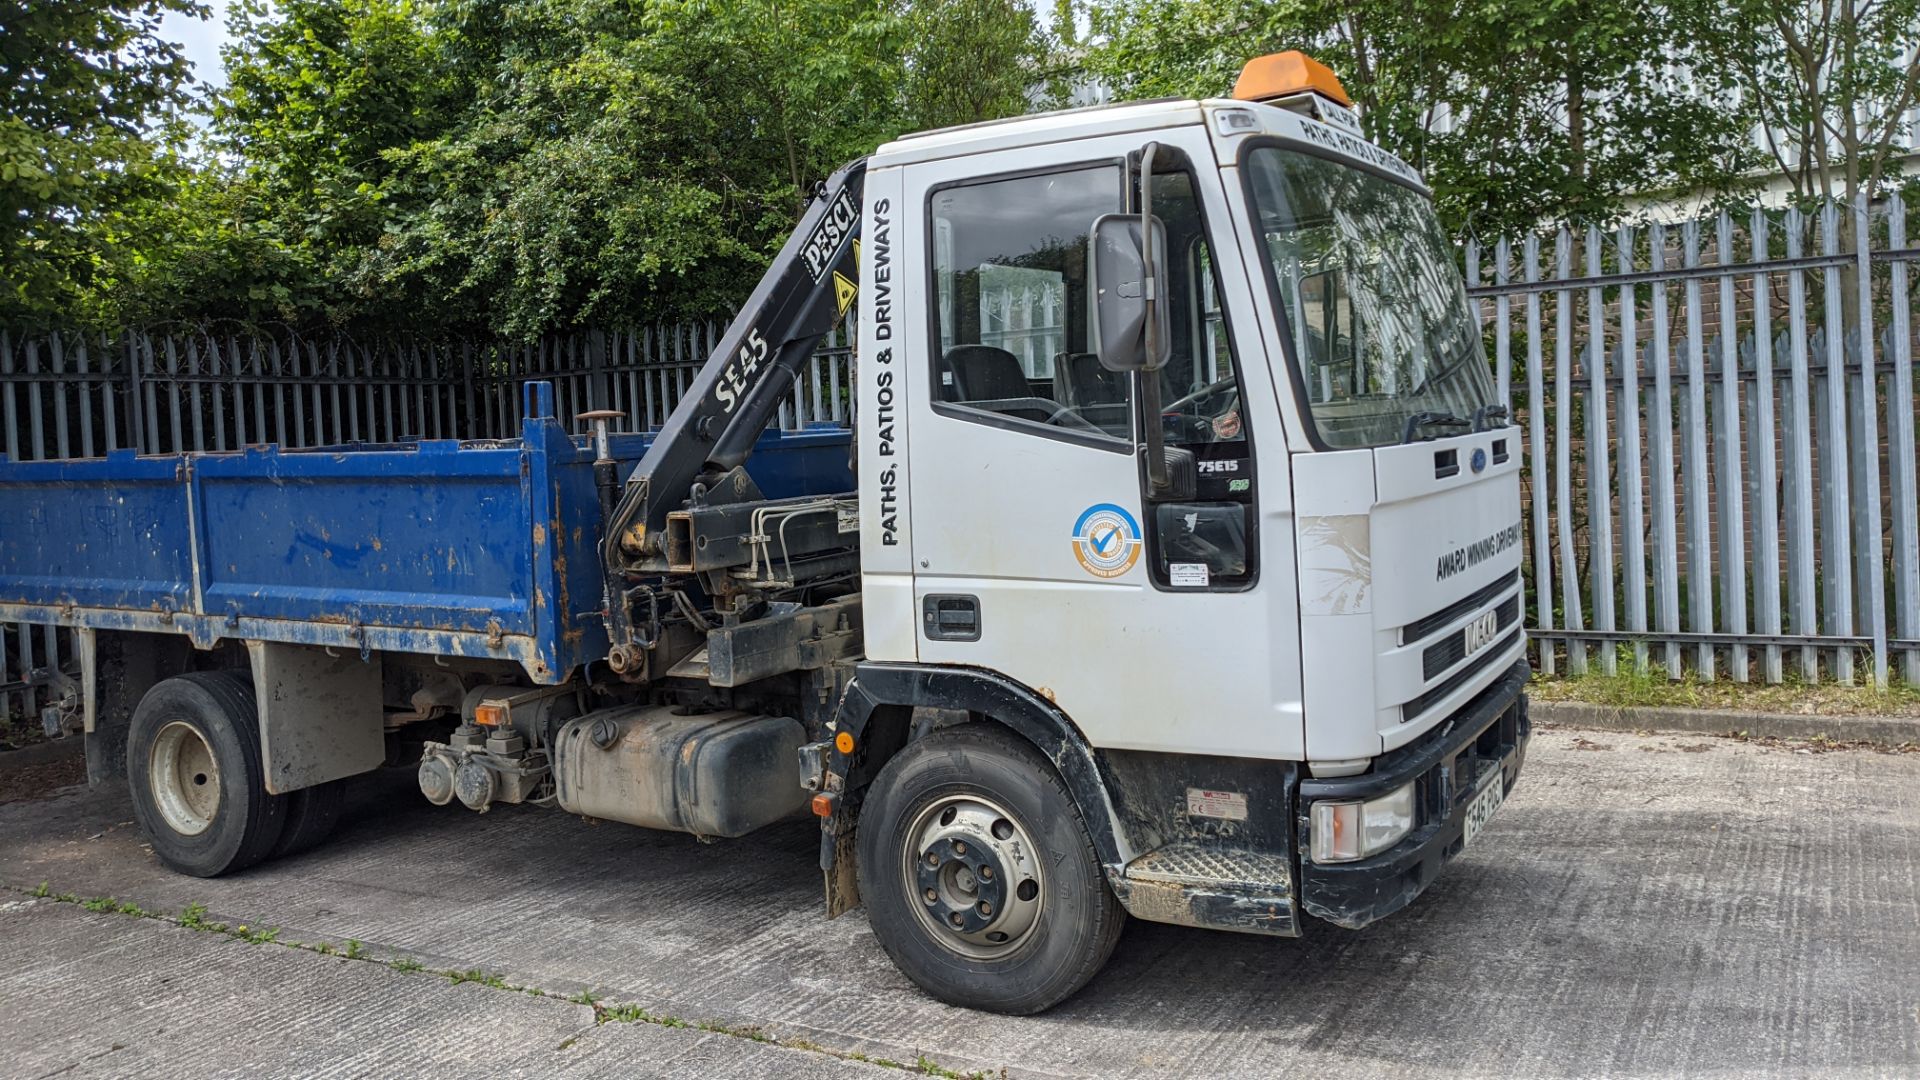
(202,38)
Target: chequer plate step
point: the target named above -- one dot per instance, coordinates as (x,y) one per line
(1203,864)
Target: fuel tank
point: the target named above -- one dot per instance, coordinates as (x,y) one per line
(711,774)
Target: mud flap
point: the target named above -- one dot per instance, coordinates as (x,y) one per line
(320,714)
(840,864)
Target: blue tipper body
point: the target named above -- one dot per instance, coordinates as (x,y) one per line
(438,547)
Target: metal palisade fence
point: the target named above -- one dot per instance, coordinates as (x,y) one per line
(1719,426)
(223,388)
(1718,419)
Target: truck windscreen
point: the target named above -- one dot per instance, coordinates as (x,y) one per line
(1373,304)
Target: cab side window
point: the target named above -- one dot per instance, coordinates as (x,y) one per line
(1205,542)
(1212,353)
(1012,303)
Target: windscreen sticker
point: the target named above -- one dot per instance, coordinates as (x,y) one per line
(1187,575)
(1106,540)
(1340,142)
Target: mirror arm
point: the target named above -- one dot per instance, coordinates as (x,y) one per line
(1158,482)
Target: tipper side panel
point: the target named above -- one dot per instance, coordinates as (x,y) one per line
(439,547)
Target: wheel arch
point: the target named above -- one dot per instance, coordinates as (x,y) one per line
(117,668)
(877,712)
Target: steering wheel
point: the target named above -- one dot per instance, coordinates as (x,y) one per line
(1197,422)
(1198,395)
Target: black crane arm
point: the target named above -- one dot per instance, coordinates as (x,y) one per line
(733,396)
(726,407)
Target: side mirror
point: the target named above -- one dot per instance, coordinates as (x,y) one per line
(1122,287)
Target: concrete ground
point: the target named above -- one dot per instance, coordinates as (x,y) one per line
(1643,906)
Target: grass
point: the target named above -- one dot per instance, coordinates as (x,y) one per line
(486,979)
(194,917)
(1652,688)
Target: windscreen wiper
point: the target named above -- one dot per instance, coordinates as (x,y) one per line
(1431,419)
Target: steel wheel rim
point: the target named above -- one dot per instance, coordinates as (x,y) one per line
(185,779)
(972,875)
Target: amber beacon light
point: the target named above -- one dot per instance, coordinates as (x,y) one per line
(1279,75)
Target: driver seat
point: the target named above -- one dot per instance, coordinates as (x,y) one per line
(983,373)
(1080,380)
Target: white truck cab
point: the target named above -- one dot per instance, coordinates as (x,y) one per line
(1296,663)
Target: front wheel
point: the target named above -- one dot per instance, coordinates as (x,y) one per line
(978,876)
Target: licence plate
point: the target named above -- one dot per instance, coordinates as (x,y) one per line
(1480,632)
(1493,791)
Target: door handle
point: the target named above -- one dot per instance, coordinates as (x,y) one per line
(951,617)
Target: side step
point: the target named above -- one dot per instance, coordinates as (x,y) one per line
(1211,886)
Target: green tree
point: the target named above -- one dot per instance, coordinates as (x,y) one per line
(513,166)
(1516,111)
(620,162)
(1830,83)
(319,96)
(1562,109)
(89,94)
(971,60)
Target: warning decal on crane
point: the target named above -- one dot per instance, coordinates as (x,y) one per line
(843,291)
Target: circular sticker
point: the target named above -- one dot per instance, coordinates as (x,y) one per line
(1106,540)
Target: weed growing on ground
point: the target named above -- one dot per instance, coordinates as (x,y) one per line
(931,1067)
(194,917)
(622,1014)
(1631,686)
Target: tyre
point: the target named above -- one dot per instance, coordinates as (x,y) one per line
(198,781)
(978,876)
(312,812)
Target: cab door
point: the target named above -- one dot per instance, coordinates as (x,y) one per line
(1153,626)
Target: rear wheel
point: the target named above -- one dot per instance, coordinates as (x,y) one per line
(312,812)
(198,782)
(978,876)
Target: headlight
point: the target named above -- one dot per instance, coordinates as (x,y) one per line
(1345,831)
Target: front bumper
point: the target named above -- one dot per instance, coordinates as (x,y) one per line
(1489,732)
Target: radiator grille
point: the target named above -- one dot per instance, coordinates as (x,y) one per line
(1447,652)
(1413,709)
(1479,598)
